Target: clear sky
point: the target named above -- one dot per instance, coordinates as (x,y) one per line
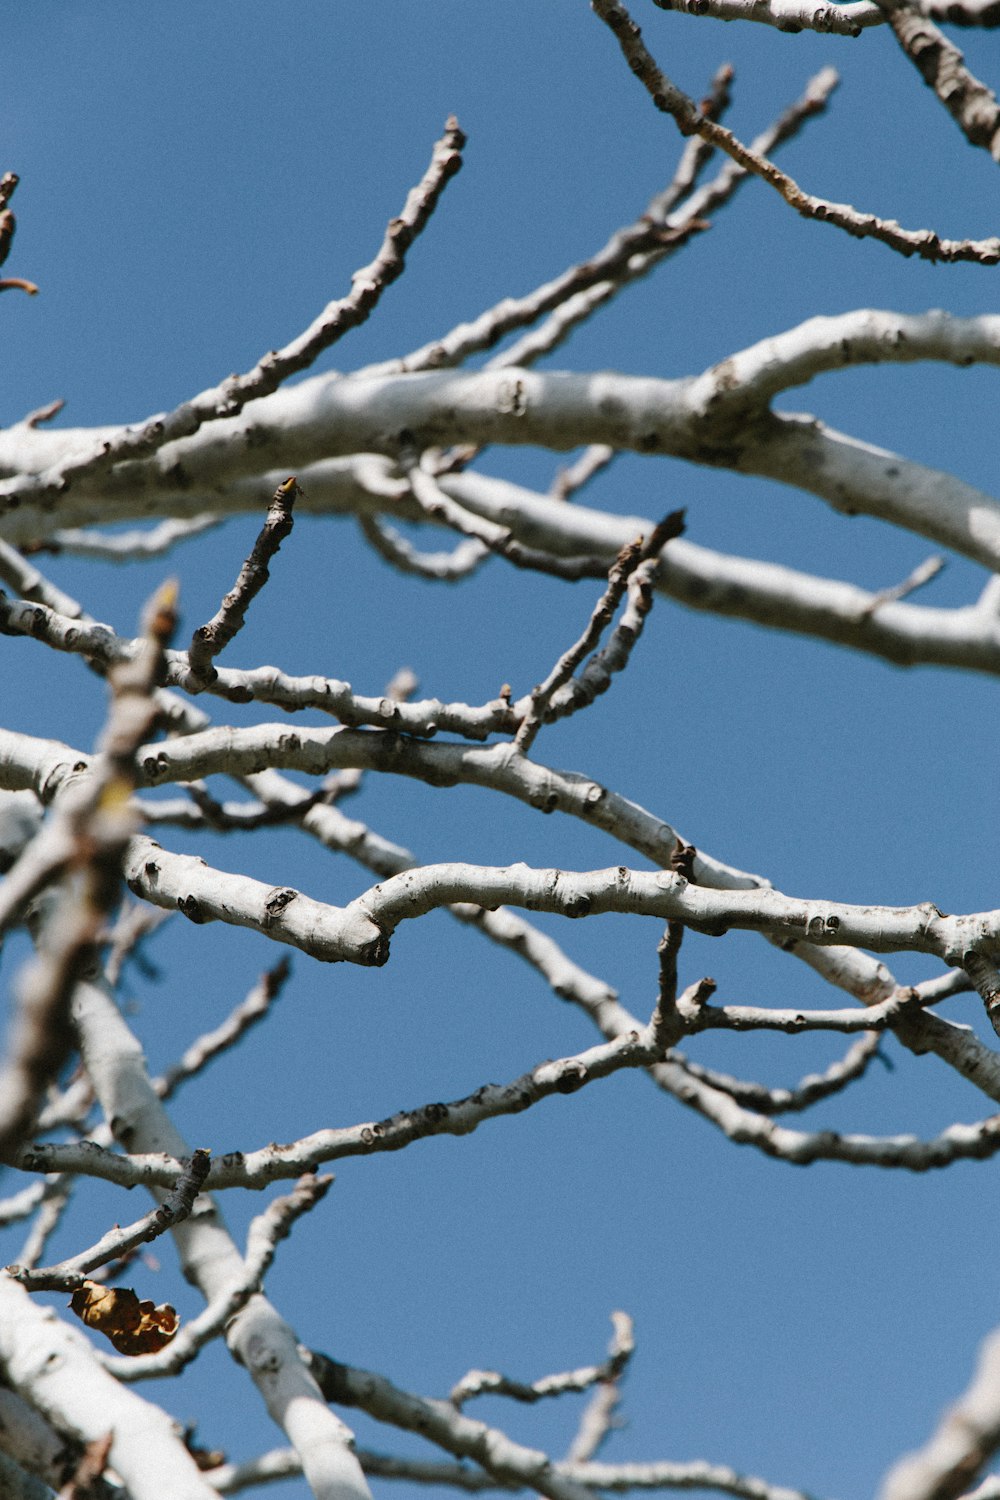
(197,182)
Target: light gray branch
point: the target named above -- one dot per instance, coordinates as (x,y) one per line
(127,546)
(703,419)
(776,1101)
(522,1467)
(446,567)
(282,1463)
(491,1383)
(841,20)
(70,1273)
(786,15)
(566,1075)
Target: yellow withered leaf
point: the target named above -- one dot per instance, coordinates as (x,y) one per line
(133,1327)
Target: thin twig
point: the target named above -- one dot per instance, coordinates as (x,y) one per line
(921,575)
(208,640)
(222,817)
(69,1274)
(438,506)
(126,546)
(245,1015)
(57,1196)
(777,1101)
(491,1383)
(574,310)
(448,567)
(642,551)
(674,102)
(230,397)
(598,1419)
(571,479)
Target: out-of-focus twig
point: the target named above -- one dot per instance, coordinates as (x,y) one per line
(598,1419)
(89,1470)
(572,478)
(447,567)
(438,506)
(126,546)
(94,827)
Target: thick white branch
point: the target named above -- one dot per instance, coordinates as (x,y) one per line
(709,419)
(46,767)
(359,933)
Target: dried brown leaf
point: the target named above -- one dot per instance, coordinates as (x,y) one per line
(133,1327)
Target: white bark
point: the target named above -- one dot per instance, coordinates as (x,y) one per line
(719,418)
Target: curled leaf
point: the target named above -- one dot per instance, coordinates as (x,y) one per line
(133,1327)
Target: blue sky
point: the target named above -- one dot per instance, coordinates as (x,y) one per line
(197,182)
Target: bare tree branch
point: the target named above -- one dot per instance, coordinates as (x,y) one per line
(127,546)
(636,563)
(939,62)
(672,101)
(508,1461)
(71,1273)
(250,1012)
(490,1383)
(208,640)
(273,369)
(446,567)
(776,1101)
